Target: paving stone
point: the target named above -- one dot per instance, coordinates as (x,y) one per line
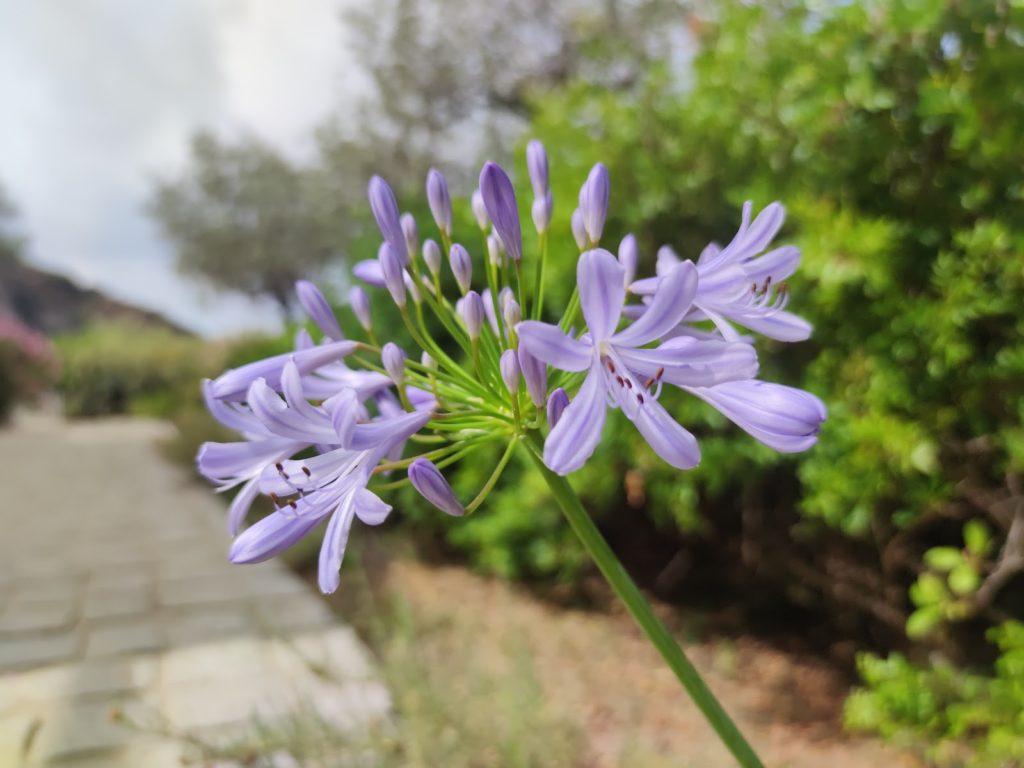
(126,600)
(28,651)
(130,636)
(284,615)
(79,729)
(202,623)
(37,616)
(229,659)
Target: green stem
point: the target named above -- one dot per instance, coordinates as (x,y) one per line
(641,611)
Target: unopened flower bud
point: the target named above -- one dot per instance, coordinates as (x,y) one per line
(394,275)
(541,212)
(537,165)
(535,375)
(512,313)
(393,359)
(494,250)
(473,314)
(385,211)
(579,234)
(426,478)
(360,303)
(667,258)
(557,403)
(439,200)
(594,202)
(411,234)
(500,202)
(427,361)
(318,309)
(480,210)
(509,365)
(462,266)
(432,257)
(411,287)
(629,255)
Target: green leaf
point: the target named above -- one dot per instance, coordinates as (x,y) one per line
(964,579)
(922,621)
(977,537)
(928,590)
(943,558)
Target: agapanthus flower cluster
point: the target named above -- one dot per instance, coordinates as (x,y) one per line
(326,427)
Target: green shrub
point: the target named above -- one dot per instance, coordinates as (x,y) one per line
(965,719)
(120,368)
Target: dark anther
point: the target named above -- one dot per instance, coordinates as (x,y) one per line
(629,384)
(293,505)
(306,471)
(611,365)
(621,381)
(639,398)
(275,499)
(659,374)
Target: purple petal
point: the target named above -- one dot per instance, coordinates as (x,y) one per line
(287,422)
(427,479)
(576,434)
(369,271)
(779,325)
(540,212)
(537,165)
(384,431)
(778,264)
(689,362)
(270,536)
(241,504)
(394,274)
(508,365)
(332,551)
(629,257)
(602,295)
(549,343)
(665,435)
(231,462)
(462,266)
(360,303)
(473,311)
(385,211)
(318,308)
(369,507)
(671,302)
(594,202)
(579,232)
(500,200)
(439,200)
(666,261)
(535,375)
(233,384)
(557,403)
(784,418)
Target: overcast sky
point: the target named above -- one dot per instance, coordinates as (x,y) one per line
(100,96)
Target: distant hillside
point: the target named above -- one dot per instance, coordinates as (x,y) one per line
(54,304)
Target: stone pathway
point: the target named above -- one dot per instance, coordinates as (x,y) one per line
(116,596)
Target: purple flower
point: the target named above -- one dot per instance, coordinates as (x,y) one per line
(426,478)
(535,374)
(500,201)
(620,371)
(318,309)
(557,403)
(369,271)
(331,484)
(385,211)
(784,418)
(479,209)
(411,234)
(537,165)
(393,359)
(594,202)
(579,230)
(360,303)
(540,212)
(231,464)
(472,311)
(432,257)
(439,200)
(510,373)
(740,283)
(629,256)
(394,275)
(511,312)
(462,267)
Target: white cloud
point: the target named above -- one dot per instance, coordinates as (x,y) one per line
(100,96)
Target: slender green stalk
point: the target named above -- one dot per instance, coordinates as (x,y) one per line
(641,611)
(538,281)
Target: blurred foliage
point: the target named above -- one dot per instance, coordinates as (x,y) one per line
(965,719)
(122,368)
